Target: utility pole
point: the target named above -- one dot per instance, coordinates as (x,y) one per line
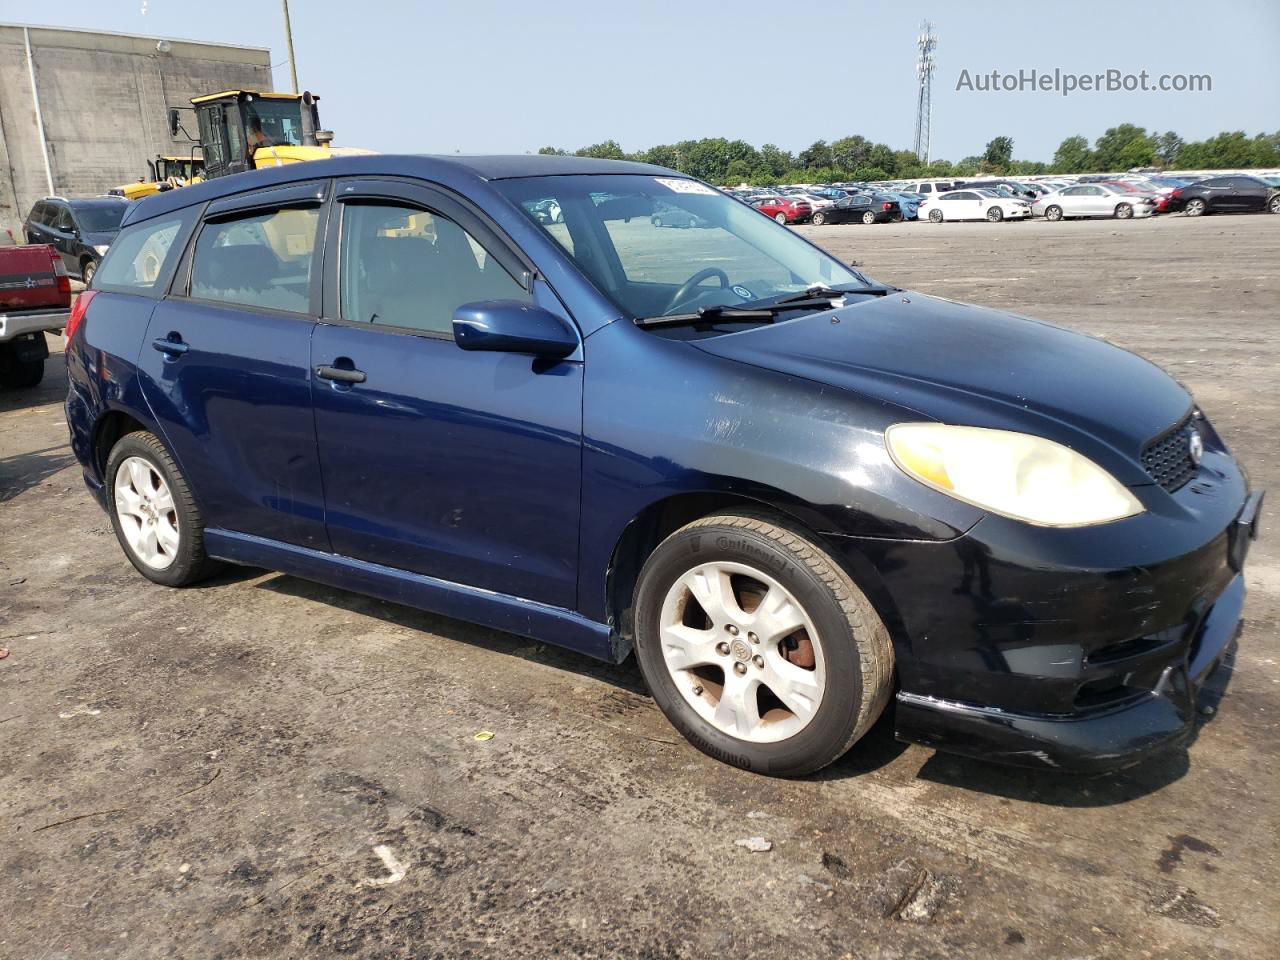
(926,43)
(288,39)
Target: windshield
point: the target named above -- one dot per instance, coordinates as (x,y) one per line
(103,219)
(273,123)
(659,246)
(988,193)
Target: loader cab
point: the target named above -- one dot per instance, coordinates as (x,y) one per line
(183,169)
(235,124)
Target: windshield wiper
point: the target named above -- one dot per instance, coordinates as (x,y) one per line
(821,292)
(816,296)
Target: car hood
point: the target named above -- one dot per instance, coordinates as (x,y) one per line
(956,363)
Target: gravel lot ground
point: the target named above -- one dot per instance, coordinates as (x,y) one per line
(245,768)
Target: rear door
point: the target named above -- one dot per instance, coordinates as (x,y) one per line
(1249,193)
(460,465)
(62,234)
(226,360)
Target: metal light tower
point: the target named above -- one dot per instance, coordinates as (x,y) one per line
(926,43)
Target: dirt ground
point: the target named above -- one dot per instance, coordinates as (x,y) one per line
(262,767)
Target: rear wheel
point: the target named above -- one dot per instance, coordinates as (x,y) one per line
(657,221)
(1196,207)
(819,219)
(1124,211)
(1274,204)
(995,214)
(781,218)
(935,215)
(153,513)
(758,647)
(868,217)
(1053,213)
(19,374)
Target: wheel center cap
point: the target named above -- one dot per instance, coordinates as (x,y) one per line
(740,649)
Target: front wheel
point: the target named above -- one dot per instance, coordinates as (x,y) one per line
(1053,213)
(758,647)
(1196,207)
(995,214)
(935,216)
(88,270)
(1124,211)
(153,512)
(1273,204)
(868,217)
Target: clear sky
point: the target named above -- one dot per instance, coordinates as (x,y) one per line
(494,76)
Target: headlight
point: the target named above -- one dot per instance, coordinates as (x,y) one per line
(102,250)
(1014,474)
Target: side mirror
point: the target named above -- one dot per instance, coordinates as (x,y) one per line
(173,122)
(510,326)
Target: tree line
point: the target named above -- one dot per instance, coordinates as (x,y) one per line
(1123,147)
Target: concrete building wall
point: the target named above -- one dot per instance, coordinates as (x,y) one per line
(104,98)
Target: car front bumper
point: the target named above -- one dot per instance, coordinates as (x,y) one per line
(1065,649)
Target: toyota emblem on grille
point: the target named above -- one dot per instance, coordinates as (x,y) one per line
(1195,449)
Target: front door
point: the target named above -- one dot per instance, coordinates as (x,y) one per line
(464,466)
(226,360)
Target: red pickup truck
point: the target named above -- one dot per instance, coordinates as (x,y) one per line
(35,296)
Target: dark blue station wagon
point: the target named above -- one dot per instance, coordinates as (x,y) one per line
(796,495)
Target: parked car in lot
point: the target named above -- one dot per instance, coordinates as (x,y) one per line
(35,298)
(861,208)
(1094,200)
(794,493)
(665,215)
(974,205)
(1238,193)
(784,209)
(929,187)
(80,230)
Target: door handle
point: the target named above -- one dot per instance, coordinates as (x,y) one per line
(325,372)
(171,347)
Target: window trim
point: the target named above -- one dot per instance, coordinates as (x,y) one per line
(429,198)
(313,193)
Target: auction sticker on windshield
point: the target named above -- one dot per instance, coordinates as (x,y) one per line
(684,186)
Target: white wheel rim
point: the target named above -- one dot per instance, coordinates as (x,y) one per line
(148,517)
(746,688)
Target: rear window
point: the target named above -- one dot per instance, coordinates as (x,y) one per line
(262,260)
(143,255)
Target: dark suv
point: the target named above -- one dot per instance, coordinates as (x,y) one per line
(80,230)
(795,494)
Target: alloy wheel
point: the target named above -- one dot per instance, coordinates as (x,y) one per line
(742,651)
(148,517)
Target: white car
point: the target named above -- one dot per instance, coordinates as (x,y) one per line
(1095,200)
(976,204)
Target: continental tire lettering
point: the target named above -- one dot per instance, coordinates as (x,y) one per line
(724,756)
(752,549)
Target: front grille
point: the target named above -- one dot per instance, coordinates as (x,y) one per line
(1168,458)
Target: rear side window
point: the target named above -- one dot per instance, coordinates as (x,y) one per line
(405,267)
(260,260)
(143,255)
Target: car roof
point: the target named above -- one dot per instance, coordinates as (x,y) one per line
(452,170)
(79,202)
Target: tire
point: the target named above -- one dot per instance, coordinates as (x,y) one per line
(849,668)
(656,221)
(819,219)
(1124,211)
(19,374)
(868,217)
(1053,213)
(87,270)
(1273,205)
(995,214)
(780,218)
(183,561)
(1196,207)
(936,216)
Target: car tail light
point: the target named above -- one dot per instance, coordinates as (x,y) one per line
(77,315)
(60,272)
(1177,192)
(887,206)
